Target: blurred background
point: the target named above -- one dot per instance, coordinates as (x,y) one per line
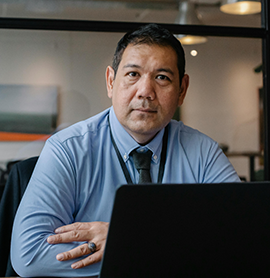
(223,100)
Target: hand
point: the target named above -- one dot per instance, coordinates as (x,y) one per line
(87,231)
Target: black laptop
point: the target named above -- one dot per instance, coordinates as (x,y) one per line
(189,230)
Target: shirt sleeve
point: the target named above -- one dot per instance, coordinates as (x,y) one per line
(49,202)
(217,167)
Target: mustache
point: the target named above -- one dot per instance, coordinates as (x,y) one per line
(145,104)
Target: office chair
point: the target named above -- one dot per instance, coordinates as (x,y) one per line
(4,175)
(15,186)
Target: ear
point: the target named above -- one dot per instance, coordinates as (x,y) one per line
(184,87)
(109,80)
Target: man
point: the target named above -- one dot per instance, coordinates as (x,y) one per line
(62,223)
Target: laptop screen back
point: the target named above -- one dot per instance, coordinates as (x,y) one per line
(189,230)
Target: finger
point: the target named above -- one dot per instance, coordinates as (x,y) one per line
(74,253)
(93,258)
(73,226)
(69,237)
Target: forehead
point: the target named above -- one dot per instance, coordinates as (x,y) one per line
(153,53)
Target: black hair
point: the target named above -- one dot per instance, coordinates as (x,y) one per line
(150,34)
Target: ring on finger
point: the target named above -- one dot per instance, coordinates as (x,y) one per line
(92,246)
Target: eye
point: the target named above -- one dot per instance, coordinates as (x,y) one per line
(163,77)
(132,74)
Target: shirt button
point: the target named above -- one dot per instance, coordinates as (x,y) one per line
(155,157)
(125,156)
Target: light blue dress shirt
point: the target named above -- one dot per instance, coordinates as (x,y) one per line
(77,175)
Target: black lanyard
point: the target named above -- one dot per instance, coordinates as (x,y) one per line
(162,159)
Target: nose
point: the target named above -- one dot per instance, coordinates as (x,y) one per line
(146,88)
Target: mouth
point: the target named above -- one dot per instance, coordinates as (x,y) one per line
(145,110)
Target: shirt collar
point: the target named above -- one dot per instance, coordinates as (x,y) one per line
(126,144)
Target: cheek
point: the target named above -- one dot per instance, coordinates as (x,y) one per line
(126,94)
(120,99)
(169,100)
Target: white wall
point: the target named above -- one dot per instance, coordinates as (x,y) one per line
(74,61)
(222,100)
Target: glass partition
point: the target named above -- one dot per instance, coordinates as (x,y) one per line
(223,100)
(207,11)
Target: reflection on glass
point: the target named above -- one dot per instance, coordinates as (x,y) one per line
(130,11)
(192,39)
(187,15)
(241,7)
(222,100)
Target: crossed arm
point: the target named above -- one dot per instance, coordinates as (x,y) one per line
(59,213)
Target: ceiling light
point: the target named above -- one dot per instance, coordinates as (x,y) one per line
(187,15)
(194,53)
(189,40)
(241,7)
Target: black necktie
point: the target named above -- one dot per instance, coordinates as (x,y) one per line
(142,163)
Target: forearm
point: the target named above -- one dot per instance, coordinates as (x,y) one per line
(48,203)
(32,255)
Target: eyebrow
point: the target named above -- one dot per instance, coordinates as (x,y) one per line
(166,70)
(158,70)
(132,66)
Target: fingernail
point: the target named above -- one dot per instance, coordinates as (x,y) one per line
(60,257)
(50,239)
(74,266)
(58,230)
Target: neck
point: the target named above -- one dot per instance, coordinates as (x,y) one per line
(142,139)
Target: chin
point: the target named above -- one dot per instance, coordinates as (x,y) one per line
(145,129)
(144,125)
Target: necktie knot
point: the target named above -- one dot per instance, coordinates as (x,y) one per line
(142,163)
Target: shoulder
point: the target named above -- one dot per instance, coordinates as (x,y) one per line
(83,129)
(188,135)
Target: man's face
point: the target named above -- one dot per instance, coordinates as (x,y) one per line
(146,89)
